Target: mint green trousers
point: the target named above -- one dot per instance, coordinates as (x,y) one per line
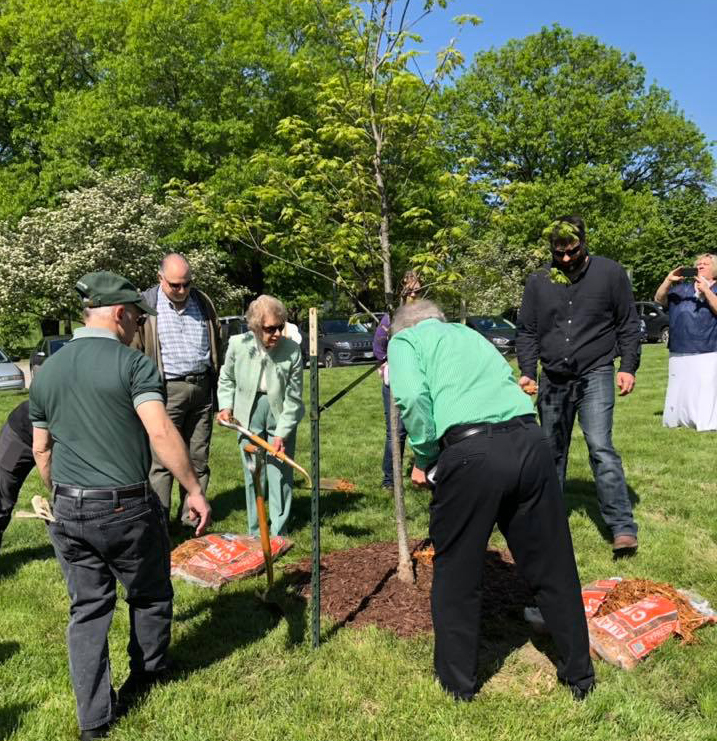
(277,478)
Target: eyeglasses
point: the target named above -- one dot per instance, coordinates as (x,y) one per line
(141,319)
(568,251)
(177,286)
(274,328)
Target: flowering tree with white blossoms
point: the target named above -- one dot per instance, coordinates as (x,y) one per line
(115,224)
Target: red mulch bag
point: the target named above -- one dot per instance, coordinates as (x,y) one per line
(625,636)
(594,594)
(213,560)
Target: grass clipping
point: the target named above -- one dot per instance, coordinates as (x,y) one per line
(629,591)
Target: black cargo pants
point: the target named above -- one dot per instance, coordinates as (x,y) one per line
(16,462)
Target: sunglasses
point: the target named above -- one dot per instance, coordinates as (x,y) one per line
(569,251)
(274,328)
(177,286)
(141,319)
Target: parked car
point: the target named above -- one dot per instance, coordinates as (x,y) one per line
(497,329)
(228,327)
(657,320)
(11,377)
(367,319)
(47,346)
(340,342)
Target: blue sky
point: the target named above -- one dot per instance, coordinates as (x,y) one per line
(676,42)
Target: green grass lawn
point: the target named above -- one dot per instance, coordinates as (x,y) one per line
(248,675)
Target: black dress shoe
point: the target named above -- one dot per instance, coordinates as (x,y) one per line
(580,693)
(100,732)
(138,684)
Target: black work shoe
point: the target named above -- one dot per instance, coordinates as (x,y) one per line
(138,684)
(100,732)
(579,693)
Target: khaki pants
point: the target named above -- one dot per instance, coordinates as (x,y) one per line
(189,406)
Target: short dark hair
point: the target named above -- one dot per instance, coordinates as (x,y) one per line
(558,235)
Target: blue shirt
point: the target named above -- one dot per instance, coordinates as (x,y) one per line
(183,337)
(693,326)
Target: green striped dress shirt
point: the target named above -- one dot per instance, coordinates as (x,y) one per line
(447,374)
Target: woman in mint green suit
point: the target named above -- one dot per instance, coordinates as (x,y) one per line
(260,384)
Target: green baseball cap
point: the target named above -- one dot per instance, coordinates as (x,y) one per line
(109,289)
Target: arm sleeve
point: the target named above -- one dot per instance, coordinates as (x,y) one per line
(413,397)
(380,338)
(526,339)
(145,383)
(37,407)
(293,407)
(627,324)
(227,384)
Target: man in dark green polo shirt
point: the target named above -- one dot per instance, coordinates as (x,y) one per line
(95,408)
(474,436)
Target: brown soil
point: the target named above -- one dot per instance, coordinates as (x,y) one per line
(633,590)
(360,587)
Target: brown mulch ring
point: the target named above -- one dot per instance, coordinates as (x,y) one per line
(359,587)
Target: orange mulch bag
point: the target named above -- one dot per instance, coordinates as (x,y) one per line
(213,560)
(595,594)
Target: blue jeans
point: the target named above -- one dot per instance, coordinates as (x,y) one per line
(592,398)
(97,542)
(387,456)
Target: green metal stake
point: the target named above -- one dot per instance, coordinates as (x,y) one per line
(315,475)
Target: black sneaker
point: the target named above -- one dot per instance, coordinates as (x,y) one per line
(138,684)
(579,693)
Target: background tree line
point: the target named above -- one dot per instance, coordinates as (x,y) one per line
(270,122)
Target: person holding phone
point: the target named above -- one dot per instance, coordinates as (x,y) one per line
(690,295)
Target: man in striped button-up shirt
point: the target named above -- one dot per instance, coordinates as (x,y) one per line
(474,431)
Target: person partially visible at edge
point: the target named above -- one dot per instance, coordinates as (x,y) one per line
(410,291)
(474,431)
(183,340)
(691,399)
(95,409)
(16,460)
(576,327)
(260,385)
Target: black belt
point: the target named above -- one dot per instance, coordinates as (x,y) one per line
(189,378)
(135,490)
(457,433)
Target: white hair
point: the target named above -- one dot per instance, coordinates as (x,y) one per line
(97,311)
(259,308)
(409,315)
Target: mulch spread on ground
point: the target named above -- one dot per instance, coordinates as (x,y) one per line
(359,587)
(628,592)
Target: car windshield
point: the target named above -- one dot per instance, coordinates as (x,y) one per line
(55,345)
(4,358)
(492,322)
(337,326)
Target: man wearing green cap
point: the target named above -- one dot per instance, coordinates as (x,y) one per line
(95,410)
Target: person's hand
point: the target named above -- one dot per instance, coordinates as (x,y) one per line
(225,415)
(278,444)
(198,509)
(528,385)
(674,276)
(418,477)
(626,383)
(702,285)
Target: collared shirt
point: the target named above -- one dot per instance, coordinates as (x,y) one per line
(86,396)
(447,374)
(183,337)
(693,326)
(578,327)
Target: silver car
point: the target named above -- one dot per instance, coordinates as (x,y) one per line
(11,377)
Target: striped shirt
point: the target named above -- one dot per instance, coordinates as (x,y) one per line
(447,374)
(183,337)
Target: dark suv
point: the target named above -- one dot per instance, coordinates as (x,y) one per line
(340,342)
(228,327)
(657,320)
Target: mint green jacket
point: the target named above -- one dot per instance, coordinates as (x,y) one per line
(239,380)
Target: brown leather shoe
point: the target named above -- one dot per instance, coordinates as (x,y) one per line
(624,544)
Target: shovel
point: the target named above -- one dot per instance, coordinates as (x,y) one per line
(255,462)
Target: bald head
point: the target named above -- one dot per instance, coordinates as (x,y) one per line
(175,278)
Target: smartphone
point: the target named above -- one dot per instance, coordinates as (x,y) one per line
(688,272)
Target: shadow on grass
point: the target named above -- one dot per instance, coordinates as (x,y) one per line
(351,531)
(332,503)
(581,496)
(10,717)
(11,561)
(8,649)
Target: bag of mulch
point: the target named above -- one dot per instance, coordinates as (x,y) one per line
(594,594)
(213,560)
(625,636)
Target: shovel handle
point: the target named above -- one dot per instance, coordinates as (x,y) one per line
(261,514)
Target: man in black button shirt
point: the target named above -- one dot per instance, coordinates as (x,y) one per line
(577,316)
(16,460)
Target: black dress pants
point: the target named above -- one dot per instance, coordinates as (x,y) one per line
(16,462)
(505,475)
